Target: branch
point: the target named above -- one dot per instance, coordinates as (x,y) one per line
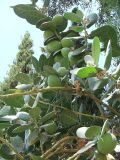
(12,148)
(66,89)
(75,112)
(57,147)
(35,91)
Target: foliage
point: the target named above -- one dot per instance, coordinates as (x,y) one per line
(69,104)
(22,63)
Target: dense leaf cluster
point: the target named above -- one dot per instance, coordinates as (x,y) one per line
(68,104)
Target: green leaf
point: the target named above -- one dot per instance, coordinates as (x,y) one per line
(11,129)
(91,19)
(95,83)
(73,17)
(77,28)
(42,61)
(67,118)
(105,33)
(14,102)
(23,116)
(105,127)
(115,51)
(50,128)
(35,113)
(35,157)
(5,111)
(28,12)
(4,125)
(49,116)
(108,56)
(48,70)
(35,63)
(22,128)
(93,132)
(47,26)
(23,78)
(78,51)
(46,3)
(6,152)
(17,143)
(96,50)
(46,19)
(33,137)
(86,72)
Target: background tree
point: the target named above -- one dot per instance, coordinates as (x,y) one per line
(22,63)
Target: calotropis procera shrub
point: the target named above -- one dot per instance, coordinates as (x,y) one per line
(68,106)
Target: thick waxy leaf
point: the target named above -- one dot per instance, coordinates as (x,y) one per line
(35,63)
(96,50)
(73,17)
(24,86)
(95,83)
(91,19)
(8,118)
(17,143)
(105,33)
(116,73)
(22,128)
(50,128)
(4,125)
(5,111)
(35,113)
(35,157)
(89,60)
(46,19)
(6,152)
(78,51)
(13,101)
(115,51)
(23,116)
(105,127)
(77,28)
(93,132)
(68,118)
(42,61)
(108,56)
(46,3)
(49,70)
(81,132)
(86,72)
(28,12)
(33,137)
(49,116)
(47,26)
(23,78)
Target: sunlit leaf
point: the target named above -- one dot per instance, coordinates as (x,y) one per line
(96,50)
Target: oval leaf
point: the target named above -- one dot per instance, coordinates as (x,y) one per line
(108,57)
(96,50)
(92,132)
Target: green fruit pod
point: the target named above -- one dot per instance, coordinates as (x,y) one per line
(54,81)
(54,46)
(60,22)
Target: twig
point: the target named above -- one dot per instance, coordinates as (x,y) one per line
(66,89)
(75,112)
(61,142)
(12,148)
(35,91)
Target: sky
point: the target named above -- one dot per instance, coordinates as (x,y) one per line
(12,30)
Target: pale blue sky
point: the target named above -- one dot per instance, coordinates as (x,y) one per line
(12,30)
